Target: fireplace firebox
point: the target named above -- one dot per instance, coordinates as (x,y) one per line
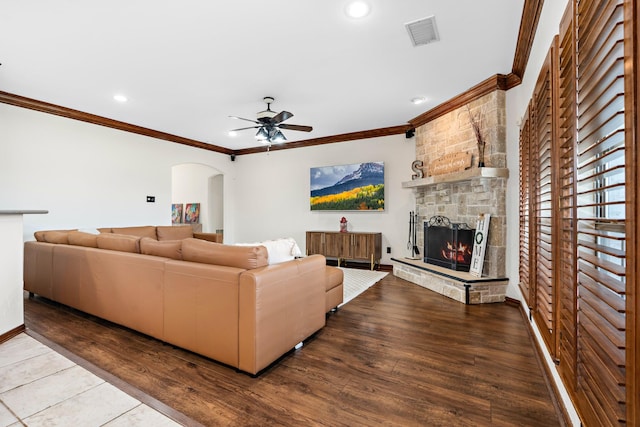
(448,244)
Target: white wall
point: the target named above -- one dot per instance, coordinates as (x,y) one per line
(88,175)
(517,101)
(275,192)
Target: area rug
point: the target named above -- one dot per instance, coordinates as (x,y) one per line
(357,281)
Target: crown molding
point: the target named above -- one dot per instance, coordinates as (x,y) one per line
(365,134)
(45,107)
(497,82)
(528,25)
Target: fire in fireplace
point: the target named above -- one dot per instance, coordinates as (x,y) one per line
(448,244)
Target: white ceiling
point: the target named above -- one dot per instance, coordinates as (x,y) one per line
(187,65)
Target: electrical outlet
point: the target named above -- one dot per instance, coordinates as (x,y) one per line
(151,199)
(388,249)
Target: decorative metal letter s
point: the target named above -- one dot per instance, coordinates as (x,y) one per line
(416,166)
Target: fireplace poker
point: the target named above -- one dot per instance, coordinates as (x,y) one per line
(409,242)
(416,251)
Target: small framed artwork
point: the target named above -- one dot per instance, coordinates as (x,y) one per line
(192,213)
(176,213)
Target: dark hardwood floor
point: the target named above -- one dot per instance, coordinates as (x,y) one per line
(396,355)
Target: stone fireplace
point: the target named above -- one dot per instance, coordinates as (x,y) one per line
(462,196)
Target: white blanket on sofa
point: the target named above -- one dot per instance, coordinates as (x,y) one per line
(279,250)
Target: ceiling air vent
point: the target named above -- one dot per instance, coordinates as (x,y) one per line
(423,31)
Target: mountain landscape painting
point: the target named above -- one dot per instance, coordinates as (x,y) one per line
(354,187)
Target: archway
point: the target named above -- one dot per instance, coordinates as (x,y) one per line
(203,184)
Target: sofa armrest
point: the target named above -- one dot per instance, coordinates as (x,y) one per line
(211,237)
(280,305)
(38,268)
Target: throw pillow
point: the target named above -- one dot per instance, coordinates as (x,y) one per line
(166,248)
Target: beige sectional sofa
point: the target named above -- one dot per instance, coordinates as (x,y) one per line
(224,302)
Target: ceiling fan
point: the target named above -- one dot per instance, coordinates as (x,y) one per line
(269,124)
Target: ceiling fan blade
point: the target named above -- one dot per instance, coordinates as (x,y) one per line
(250,127)
(281,117)
(246,120)
(296,127)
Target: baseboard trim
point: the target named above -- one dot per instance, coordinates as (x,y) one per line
(512,302)
(556,399)
(12,333)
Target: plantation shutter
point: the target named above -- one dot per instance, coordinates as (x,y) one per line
(566,259)
(544,201)
(525,219)
(600,204)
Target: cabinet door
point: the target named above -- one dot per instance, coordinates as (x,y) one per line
(337,245)
(315,243)
(361,246)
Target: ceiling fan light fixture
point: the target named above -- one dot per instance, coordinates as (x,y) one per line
(262,134)
(269,122)
(279,137)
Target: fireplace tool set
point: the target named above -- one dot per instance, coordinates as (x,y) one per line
(412,244)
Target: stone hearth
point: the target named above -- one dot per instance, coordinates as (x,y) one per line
(460,286)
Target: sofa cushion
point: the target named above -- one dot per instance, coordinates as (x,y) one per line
(56,237)
(247,257)
(179,232)
(143,231)
(166,248)
(119,242)
(80,238)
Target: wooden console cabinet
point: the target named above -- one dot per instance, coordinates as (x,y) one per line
(342,246)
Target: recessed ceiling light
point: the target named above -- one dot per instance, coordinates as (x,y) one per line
(418,100)
(120,98)
(357,9)
(233,133)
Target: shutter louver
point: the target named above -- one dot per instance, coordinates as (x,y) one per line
(600,209)
(524,219)
(567,238)
(544,202)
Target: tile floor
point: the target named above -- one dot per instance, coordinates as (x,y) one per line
(40,387)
